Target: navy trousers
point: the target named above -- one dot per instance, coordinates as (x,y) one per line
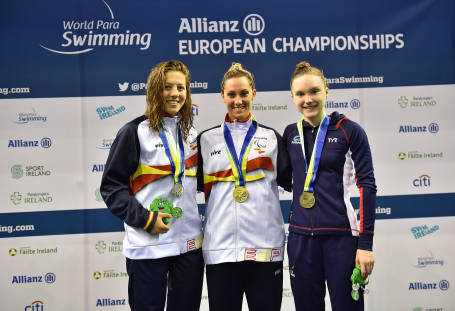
(261,282)
(182,275)
(315,259)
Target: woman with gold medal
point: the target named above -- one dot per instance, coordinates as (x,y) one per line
(149,182)
(241,163)
(326,241)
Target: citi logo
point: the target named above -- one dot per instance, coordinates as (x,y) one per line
(296,140)
(215,152)
(123,87)
(195,109)
(253,24)
(159,145)
(35,306)
(422,181)
(332,140)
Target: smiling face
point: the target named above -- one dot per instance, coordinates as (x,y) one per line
(309,94)
(174,92)
(238,97)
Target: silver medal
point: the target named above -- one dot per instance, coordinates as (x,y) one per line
(177,190)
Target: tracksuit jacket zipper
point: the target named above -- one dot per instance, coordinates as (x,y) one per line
(235,202)
(183,197)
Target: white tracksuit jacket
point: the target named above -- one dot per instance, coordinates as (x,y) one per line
(252,230)
(138,171)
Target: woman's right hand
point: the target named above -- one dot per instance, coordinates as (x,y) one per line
(159,226)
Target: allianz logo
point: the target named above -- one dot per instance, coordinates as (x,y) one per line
(48,278)
(253,25)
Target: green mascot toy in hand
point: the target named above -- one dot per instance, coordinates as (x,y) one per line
(357,281)
(164,206)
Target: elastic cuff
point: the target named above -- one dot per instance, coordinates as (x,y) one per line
(151,220)
(365,242)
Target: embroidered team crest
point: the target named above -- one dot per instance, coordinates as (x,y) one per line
(258,147)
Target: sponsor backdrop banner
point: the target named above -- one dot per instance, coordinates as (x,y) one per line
(74,72)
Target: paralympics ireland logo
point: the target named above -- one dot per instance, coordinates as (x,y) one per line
(100,247)
(16,198)
(403,102)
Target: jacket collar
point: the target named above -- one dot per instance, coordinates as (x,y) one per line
(227,120)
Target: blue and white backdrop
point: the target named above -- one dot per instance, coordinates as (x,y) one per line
(73,72)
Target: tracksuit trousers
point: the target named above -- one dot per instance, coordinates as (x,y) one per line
(261,282)
(315,259)
(182,275)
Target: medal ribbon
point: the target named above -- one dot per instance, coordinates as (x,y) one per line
(177,159)
(317,151)
(238,164)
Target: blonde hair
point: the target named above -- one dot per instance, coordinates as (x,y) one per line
(155,98)
(237,71)
(304,68)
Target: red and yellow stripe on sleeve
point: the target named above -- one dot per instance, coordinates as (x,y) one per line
(147,173)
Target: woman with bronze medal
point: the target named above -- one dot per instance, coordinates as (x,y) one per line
(241,163)
(149,182)
(326,240)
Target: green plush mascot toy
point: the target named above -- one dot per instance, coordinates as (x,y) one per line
(356,279)
(164,206)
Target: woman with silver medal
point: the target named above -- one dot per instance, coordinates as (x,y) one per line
(326,241)
(152,160)
(240,165)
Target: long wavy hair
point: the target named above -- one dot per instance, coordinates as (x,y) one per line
(155,98)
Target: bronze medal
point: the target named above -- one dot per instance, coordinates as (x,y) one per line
(307,199)
(240,194)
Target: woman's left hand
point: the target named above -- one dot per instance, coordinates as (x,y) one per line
(366,261)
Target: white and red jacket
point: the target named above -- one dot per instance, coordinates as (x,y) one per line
(252,230)
(137,171)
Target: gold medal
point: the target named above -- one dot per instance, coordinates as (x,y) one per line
(240,194)
(307,199)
